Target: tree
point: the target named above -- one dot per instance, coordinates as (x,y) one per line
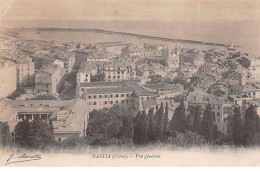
(197,119)
(128,128)
(160,123)
(104,125)
(237,127)
(140,128)
(249,126)
(151,133)
(5,136)
(165,125)
(207,124)
(178,119)
(35,134)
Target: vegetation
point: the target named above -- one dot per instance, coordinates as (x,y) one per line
(17,93)
(44,97)
(5,136)
(36,134)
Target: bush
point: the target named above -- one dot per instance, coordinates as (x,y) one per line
(189,139)
(44,97)
(17,93)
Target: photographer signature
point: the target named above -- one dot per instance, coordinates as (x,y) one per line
(22,158)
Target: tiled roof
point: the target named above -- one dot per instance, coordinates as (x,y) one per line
(161,86)
(249,88)
(149,103)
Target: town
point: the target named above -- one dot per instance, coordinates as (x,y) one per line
(66,83)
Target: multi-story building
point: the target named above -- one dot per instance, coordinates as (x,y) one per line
(86,71)
(113,47)
(102,55)
(173,58)
(68,116)
(118,71)
(8,78)
(222,108)
(129,94)
(25,71)
(47,80)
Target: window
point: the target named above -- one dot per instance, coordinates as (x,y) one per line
(218,113)
(218,107)
(111,96)
(118,72)
(105,102)
(86,75)
(95,103)
(126,101)
(213,106)
(116,102)
(105,96)
(109,77)
(95,96)
(111,102)
(254,93)
(122,95)
(118,77)
(127,95)
(122,101)
(114,77)
(100,96)
(59,139)
(117,95)
(89,97)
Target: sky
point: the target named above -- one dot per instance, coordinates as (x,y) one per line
(144,10)
(222,21)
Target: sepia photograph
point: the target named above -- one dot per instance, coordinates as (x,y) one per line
(129,83)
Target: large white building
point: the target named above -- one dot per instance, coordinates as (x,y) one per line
(118,71)
(25,71)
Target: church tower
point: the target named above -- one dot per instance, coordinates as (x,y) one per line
(172,59)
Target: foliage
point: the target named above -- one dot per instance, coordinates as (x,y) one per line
(189,139)
(128,128)
(244,62)
(104,125)
(197,119)
(151,133)
(178,119)
(237,127)
(17,93)
(159,123)
(140,128)
(44,97)
(249,127)
(207,124)
(35,134)
(5,136)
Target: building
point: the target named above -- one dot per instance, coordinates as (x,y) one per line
(99,95)
(47,80)
(220,106)
(67,116)
(119,70)
(86,71)
(173,58)
(25,71)
(101,55)
(112,47)
(8,78)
